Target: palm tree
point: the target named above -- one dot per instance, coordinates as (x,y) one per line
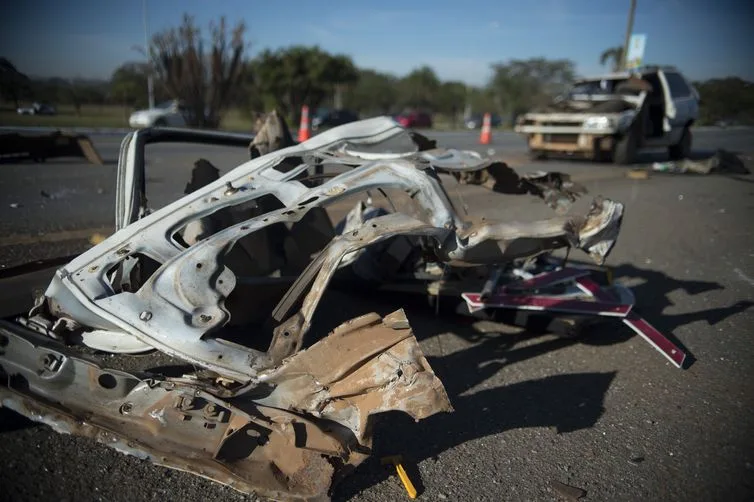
(614,55)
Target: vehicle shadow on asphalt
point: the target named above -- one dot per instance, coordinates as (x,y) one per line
(652,298)
(566,402)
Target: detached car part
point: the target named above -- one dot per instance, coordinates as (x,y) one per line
(267,404)
(39,148)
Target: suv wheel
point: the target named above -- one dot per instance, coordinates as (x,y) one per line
(626,148)
(683,149)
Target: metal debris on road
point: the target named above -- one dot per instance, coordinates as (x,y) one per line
(722,161)
(39,148)
(227,281)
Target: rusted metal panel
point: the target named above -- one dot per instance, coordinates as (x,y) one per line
(285,445)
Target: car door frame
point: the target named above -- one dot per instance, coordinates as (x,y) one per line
(679,110)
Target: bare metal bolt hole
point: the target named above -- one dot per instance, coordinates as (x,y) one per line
(245,227)
(220,281)
(205,318)
(219,356)
(374,225)
(198,265)
(107,381)
(286,333)
(400,373)
(126,408)
(93,268)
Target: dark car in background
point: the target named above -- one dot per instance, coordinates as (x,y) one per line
(38,109)
(325,119)
(415,120)
(475,121)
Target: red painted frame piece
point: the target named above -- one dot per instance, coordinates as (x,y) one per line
(637,323)
(606,305)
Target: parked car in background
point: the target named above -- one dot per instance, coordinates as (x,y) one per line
(325,118)
(167,114)
(475,121)
(38,109)
(415,120)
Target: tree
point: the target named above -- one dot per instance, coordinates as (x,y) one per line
(13,84)
(203,82)
(128,84)
(295,76)
(482,100)
(419,89)
(451,100)
(374,93)
(728,99)
(614,56)
(520,85)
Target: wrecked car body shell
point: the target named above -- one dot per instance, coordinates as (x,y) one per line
(281,419)
(184,299)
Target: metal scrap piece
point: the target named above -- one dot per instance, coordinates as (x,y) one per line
(347,378)
(287,444)
(42,147)
(569,492)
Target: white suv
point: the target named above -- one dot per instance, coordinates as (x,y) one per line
(614,116)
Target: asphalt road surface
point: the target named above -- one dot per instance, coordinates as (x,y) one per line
(606,414)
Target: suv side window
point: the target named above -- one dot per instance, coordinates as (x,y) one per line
(678,86)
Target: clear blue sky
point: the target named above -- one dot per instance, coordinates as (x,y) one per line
(459,39)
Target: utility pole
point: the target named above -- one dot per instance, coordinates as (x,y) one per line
(629,30)
(150,82)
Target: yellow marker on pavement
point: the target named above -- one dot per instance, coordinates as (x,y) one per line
(407,484)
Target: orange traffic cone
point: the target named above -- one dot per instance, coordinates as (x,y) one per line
(486,135)
(303,129)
